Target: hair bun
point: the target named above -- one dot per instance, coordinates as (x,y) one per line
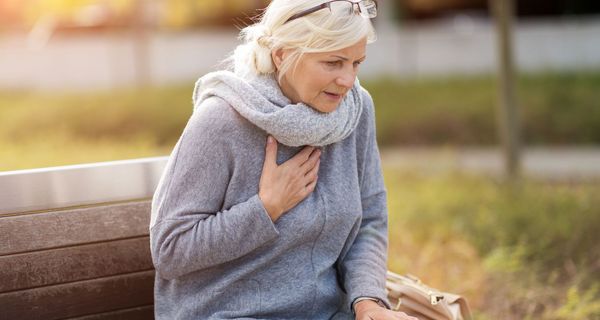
(256,32)
(264,41)
(258,46)
(261,57)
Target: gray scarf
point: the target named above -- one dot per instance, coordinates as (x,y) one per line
(260,100)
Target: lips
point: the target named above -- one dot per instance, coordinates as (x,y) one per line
(332,95)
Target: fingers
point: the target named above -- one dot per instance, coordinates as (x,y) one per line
(282,187)
(302,156)
(313,171)
(310,188)
(312,160)
(380,313)
(270,153)
(404,316)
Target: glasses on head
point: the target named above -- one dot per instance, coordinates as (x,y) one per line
(366,8)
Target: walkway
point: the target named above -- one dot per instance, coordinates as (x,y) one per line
(557,163)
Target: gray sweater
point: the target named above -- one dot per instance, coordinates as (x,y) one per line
(217,253)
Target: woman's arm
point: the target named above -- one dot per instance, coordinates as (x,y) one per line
(364,265)
(189,230)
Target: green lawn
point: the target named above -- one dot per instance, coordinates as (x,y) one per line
(528,250)
(41,130)
(555,108)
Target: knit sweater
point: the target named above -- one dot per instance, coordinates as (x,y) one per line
(216,251)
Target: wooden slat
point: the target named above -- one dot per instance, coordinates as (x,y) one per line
(64,228)
(79,298)
(42,268)
(140,313)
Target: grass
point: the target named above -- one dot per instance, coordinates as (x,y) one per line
(555,108)
(39,130)
(528,250)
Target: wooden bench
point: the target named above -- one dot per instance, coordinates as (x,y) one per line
(74,241)
(87,261)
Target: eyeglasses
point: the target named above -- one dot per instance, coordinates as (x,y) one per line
(366,8)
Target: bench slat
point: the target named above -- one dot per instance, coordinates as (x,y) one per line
(79,298)
(140,313)
(64,228)
(55,266)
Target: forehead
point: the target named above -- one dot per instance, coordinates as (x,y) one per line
(355,51)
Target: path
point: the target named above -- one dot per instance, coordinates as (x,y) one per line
(556,163)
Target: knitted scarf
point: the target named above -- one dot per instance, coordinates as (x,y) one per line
(259,99)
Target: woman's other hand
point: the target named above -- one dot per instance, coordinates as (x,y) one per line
(370,310)
(283,186)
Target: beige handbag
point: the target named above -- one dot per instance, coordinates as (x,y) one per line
(409,295)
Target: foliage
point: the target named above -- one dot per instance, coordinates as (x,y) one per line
(545,224)
(160,113)
(49,130)
(165,13)
(33,10)
(527,250)
(580,305)
(555,108)
(186,13)
(438,111)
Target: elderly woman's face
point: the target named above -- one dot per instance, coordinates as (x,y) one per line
(321,80)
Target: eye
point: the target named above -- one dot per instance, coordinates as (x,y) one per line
(333,63)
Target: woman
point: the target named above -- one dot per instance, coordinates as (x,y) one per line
(296,229)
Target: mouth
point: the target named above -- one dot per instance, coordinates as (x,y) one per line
(333,96)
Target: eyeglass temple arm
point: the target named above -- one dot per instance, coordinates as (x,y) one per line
(308,11)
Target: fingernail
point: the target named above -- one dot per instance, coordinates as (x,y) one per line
(270,139)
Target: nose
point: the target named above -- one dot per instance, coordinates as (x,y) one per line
(346,79)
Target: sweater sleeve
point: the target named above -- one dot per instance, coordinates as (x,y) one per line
(364,265)
(189,230)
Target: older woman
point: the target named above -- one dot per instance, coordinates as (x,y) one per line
(296,229)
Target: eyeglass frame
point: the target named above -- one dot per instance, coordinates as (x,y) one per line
(326,5)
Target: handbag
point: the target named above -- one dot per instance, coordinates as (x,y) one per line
(409,295)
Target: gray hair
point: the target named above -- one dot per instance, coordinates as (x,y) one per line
(320,31)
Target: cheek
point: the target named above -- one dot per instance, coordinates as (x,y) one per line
(310,88)
(312,81)
(321,82)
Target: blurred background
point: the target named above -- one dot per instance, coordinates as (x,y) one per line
(96,80)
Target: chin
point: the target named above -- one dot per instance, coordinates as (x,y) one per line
(325,108)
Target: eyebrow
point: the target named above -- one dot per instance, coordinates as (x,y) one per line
(346,59)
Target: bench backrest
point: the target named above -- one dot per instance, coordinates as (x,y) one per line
(81,262)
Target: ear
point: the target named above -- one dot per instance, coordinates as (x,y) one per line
(277,56)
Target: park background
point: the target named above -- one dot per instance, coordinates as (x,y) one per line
(89,81)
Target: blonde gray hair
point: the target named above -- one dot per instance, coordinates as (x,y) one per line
(320,31)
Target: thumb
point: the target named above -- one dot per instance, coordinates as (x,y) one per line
(270,152)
